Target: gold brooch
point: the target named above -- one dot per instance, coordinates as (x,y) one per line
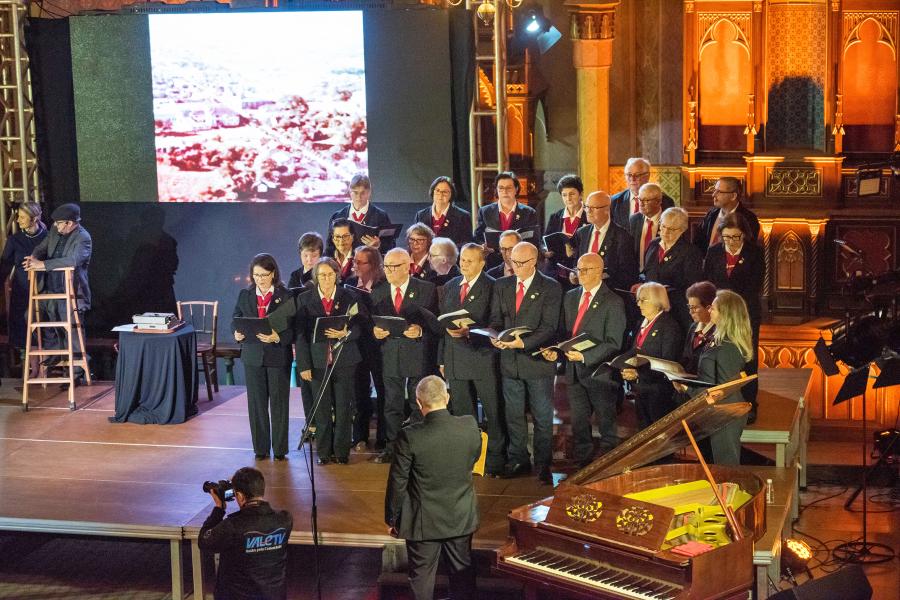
(584,508)
(667,259)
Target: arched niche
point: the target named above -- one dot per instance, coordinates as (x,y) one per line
(869,77)
(725,82)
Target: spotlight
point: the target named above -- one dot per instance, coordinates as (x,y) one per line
(795,558)
(534,28)
(886,443)
(533,25)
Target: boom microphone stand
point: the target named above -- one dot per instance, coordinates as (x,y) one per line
(305,437)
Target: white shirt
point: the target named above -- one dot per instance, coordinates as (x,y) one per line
(322,296)
(599,235)
(402,289)
(527,282)
(471,283)
(435,215)
(362,211)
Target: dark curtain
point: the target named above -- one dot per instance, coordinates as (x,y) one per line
(462,70)
(49,51)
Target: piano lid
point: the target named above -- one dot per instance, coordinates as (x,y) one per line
(667,435)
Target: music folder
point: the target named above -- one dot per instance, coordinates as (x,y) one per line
(324,323)
(394,325)
(557,243)
(385,232)
(456,319)
(250,326)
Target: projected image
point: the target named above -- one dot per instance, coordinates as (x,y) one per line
(258,107)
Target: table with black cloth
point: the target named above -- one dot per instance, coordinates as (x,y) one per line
(156,377)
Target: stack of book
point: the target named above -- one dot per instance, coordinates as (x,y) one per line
(151,320)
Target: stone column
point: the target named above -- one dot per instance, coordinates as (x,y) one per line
(592,31)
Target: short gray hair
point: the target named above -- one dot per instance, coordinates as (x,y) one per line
(656,293)
(637,160)
(431,392)
(678,215)
(447,246)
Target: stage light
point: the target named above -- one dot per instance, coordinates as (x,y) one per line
(533,25)
(886,443)
(795,557)
(534,28)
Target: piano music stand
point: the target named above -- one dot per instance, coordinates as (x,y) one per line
(863,551)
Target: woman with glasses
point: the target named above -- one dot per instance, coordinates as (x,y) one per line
(267,359)
(658,336)
(737,263)
(418,242)
(443,217)
(700,297)
(674,262)
(334,416)
(722,362)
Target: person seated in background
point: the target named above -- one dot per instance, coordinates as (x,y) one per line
(19,245)
(361,210)
(342,246)
(444,217)
(418,242)
(699,336)
(310,246)
(333,417)
(658,336)
(508,241)
(737,263)
(442,258)
(267,360)
(723,361)
(597,311)
(674,262)
(644,225)
(506,213)
(625,203)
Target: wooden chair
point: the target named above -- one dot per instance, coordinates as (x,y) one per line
(204,316)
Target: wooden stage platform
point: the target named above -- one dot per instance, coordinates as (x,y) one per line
(71,472)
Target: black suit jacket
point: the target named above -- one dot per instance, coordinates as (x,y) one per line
(461,358)
(664,340)
(430,494)
(457,226)
(746,277)
(256,354)
(620,207)
(555,223)
(489,217)
(539,312)
(681,268)
(77,250)
(617,250)
(299,278)
(309,308)
(721,363)
(375,217)
(704,232)
(497,271)
(401,356)
(604,321)
(690,356)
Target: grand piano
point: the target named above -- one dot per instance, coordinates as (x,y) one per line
(620,529)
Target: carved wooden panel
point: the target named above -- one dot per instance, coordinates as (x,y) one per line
(793,181)
(875,244)
(790,263)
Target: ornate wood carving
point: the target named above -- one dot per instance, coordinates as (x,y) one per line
(793,181)
(740,29)
(887,23)
(790,259)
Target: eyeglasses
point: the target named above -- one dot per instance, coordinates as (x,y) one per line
(417,240)
(342,237)
(436,256)
(649,200)
(263,275)
(395,266)
(718,191)
(667,228)
(733,238)
(605,206)
(521,263)
(692,308)
(584,270)
(506,188)
(443,192)
(634,176)
(642,300)
(326,275)
(506,250)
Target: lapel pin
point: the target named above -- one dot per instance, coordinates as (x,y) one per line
(653,334)
(411,295)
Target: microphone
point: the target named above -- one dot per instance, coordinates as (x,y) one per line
(846,247)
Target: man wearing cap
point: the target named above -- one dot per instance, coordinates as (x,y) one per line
(68,244)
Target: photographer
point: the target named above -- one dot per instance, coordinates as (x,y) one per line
(252,542)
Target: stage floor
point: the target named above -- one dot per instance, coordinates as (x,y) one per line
(145,480)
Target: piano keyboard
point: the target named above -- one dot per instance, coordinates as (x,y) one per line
(596,574)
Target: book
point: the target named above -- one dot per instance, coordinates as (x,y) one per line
(325,323)
(579,343)
(673,371)
(557,243)
(151,318)
(250,326)
(456,319)
(492,236)
(385,232)
(394,325)
(507,335)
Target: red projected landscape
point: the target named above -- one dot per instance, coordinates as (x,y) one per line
(281,120)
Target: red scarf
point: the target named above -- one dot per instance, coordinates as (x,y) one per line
(438,223)
(642,335)
(731,260)
(571,224)
(262,304)
(506,220)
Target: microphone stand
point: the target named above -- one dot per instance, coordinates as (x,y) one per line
(305,437)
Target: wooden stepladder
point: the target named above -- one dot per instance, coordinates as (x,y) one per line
(71,325)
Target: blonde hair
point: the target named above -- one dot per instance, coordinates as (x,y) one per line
(656,292)
(734,322)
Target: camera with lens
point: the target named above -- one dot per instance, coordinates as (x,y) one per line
(223,489)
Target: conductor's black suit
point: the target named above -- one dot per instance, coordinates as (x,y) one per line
(430,499)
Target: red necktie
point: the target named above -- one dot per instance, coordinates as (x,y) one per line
(327,304)
(262,304)
(731,260)
(698,339)
(636,205)
(660,254)
(520,295)
(463,291)
(595,246)
(398,301)
(581,310)
(413,269)
(358,217)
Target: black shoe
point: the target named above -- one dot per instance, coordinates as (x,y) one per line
(262,456)
(751,416)
(545,476)
(385,457)
(280,457)
(342,461)
(493,473)
(323,460)
(516,470)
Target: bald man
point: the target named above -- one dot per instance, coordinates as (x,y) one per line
(527,299)
(407,358)
(597,311)
(612,243)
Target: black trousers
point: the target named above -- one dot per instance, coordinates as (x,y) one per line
(55,310)
(399,401)
(366,376)
(268,389)
(424,557)
(463,393)
(586,398)
(335,412)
